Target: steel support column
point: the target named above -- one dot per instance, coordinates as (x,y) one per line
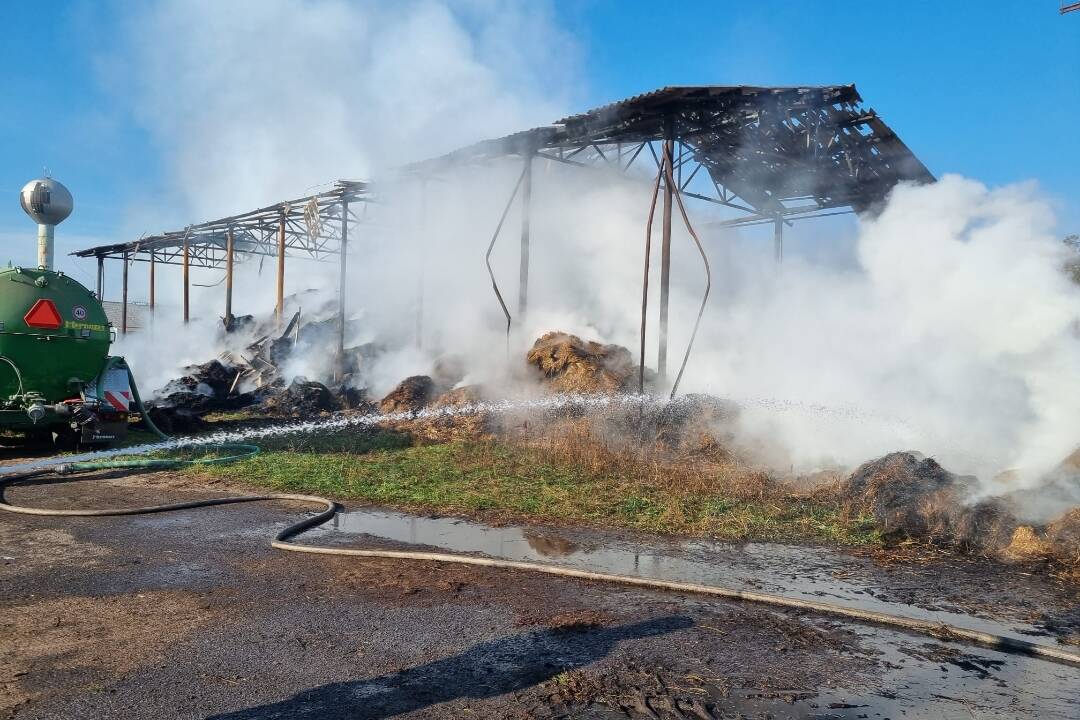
(341,289)
(151,298)
(124,299)
(778,239)
(187,282)
(100,278)
(421,276)
(228,279)
(526,217)
(279,308)
(665,248)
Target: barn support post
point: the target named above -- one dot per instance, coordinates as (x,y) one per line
(187,281)
(100,278)
(228,279)
(778,239)
(341,288)
(279,308)
(151,298)
(124,299)
(665,248)
(420,276)
(526,218)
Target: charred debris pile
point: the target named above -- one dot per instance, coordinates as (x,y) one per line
(293,373)
(280,373)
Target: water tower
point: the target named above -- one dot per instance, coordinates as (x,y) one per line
(48,203)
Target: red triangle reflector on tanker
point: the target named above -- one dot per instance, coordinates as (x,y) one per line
(43,315)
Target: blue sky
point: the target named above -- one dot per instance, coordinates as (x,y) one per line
(989,89)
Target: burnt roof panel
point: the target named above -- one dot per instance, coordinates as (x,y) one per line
(767,144)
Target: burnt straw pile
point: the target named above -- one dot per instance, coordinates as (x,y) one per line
(572,365)
(913,497)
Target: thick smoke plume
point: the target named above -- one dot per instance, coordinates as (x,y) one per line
(953,331)
(955,335)
(255,101)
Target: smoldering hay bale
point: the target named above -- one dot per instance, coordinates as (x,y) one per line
(302,398)
(698,423)
(901,490)
(1058,541)
(1064,533)
(473,424)
(464,395)
(411,394)
(988,525)
(913,496)
(461,420)
(1027,544)
(572,365)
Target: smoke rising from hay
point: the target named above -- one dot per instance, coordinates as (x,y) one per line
(954,336)
(952,332)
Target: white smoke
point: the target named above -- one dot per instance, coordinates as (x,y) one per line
(957,335)
(952,331)
(253,102)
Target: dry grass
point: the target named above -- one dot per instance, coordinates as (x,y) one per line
(700,467)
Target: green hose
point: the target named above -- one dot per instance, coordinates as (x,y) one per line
(110,363)
(139,404)
(244,452)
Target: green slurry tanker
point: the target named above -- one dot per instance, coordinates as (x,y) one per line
(57,379)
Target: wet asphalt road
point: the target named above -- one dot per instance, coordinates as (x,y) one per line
(193,615)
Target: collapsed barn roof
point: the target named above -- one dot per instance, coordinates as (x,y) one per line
(768,151)
(769,146)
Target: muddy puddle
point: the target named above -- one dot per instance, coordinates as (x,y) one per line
(919,677)
(812,573)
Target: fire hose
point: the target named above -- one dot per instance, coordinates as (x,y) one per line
(284,540)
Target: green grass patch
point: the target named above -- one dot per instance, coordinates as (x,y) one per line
(495,477)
